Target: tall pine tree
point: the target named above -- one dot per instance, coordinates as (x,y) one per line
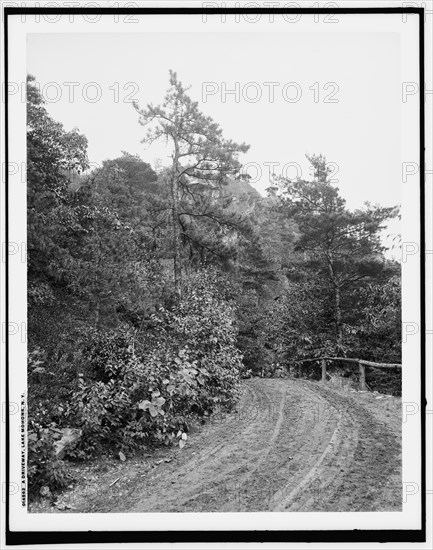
(201,156)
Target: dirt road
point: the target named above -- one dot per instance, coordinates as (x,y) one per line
(291,445)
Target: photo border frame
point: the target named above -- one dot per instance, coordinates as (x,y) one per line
(196,536)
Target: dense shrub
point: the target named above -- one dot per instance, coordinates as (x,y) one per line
(378,336)
(46,473)
(133,393)
(384,381)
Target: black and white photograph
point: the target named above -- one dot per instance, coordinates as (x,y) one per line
(215,271)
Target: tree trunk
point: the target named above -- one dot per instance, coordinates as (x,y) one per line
(337,304)
(323,363)
(97,312)
(175,221)
(338,331)
(362,385)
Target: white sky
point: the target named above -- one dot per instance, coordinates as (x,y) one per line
(361,133)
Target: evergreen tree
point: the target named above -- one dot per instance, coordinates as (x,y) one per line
(201,157)
(344,245)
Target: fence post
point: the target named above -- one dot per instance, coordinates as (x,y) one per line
(301,370)
(361,376)
(323,371)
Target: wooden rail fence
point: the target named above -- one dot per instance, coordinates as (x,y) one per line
(362,364)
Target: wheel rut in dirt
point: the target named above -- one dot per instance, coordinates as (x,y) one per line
(290,446)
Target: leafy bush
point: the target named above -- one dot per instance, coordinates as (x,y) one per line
(378,336)
(188,366)
(253,333)
(46,473)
